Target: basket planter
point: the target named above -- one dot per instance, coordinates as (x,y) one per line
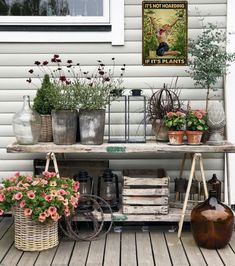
(46,129)
(34,236)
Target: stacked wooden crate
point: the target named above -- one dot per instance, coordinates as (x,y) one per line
(145,192)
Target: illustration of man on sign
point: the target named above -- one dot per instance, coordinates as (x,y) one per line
(162,34)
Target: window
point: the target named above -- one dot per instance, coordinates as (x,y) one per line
(77,20)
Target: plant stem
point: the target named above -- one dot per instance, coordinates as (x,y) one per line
(207,97)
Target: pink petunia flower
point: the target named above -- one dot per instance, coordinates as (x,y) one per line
(22,204)
(31,194)
(1,212)
(52,210)
(55,216)
(2,197)
(62,192)
(42,217)
(76,186)
(48,198)
(29,178)
(27,211)
(18,196)
(17,174)
(67,212)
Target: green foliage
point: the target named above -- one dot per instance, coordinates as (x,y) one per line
(174,121)
(196,121)
(3,8)
(43,102)
(209,58)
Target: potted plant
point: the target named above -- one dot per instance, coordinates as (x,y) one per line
(196,124)
(209,58)
(43,104)
(37,204)
(160,103)
(94,91)
(175,122)
(61,96)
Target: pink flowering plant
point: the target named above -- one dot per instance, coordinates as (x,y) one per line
(44,198)
(196,121)
(174,121)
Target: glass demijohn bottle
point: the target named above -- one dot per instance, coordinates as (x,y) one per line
(212,223)
(26,124)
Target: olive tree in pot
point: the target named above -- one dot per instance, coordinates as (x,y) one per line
(95,90)
(208,58)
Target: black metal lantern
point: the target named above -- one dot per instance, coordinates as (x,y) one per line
(136,128)
(108,190)
(116,118)
(86,188)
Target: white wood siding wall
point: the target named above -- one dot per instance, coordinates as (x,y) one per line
(17,58)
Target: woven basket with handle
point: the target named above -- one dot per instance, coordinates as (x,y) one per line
(34,236)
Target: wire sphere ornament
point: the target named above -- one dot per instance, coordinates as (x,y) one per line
(216,122)
(71,228)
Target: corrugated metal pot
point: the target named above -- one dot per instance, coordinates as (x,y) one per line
(91,123)
(64,125)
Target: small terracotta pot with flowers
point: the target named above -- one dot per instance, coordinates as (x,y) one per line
(38,202)
(175,122)
(196,124)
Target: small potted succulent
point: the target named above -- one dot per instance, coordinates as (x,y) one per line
(175,122)
(196,124)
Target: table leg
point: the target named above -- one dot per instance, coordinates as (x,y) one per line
(196,156)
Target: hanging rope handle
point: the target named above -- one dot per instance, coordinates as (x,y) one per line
(51,156)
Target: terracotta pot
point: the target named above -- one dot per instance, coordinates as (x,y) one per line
(194,137)
(176,137)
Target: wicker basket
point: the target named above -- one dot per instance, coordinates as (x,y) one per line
(46,129)
(34,236)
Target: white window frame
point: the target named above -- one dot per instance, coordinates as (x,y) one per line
(59,20)
(113,16)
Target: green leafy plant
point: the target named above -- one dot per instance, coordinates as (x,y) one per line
(196,121)
(174,121)
(72,87)
(209,58)
(43,101)
(44,198)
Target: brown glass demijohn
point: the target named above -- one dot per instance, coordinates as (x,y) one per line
(212,223)
(215,184)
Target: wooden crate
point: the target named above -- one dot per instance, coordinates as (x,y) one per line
(145,193)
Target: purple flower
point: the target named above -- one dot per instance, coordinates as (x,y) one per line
(69,61)
(31,71)
(45,63)
(62,78)
(37,63)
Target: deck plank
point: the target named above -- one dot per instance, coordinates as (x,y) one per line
(211,257)
(193,252)
(6,242)
(232,242)
(160,251)
(63,253)
(45,257)
(96,253)
(128,250)
(144,250)
(28,258)
(80,253)
(227,255)
(5,223)
(112,250)
(176,250)
(12,257)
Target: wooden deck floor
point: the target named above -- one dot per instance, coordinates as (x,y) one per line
(128,248)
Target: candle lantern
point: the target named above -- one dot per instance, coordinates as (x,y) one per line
(117,118)
(136,127)
(108,190)
(86,188)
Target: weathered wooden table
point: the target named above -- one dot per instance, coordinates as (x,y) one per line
(127,150)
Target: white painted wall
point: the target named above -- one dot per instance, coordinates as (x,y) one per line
(17,58)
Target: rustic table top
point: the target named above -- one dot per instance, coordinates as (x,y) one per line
(150,147)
